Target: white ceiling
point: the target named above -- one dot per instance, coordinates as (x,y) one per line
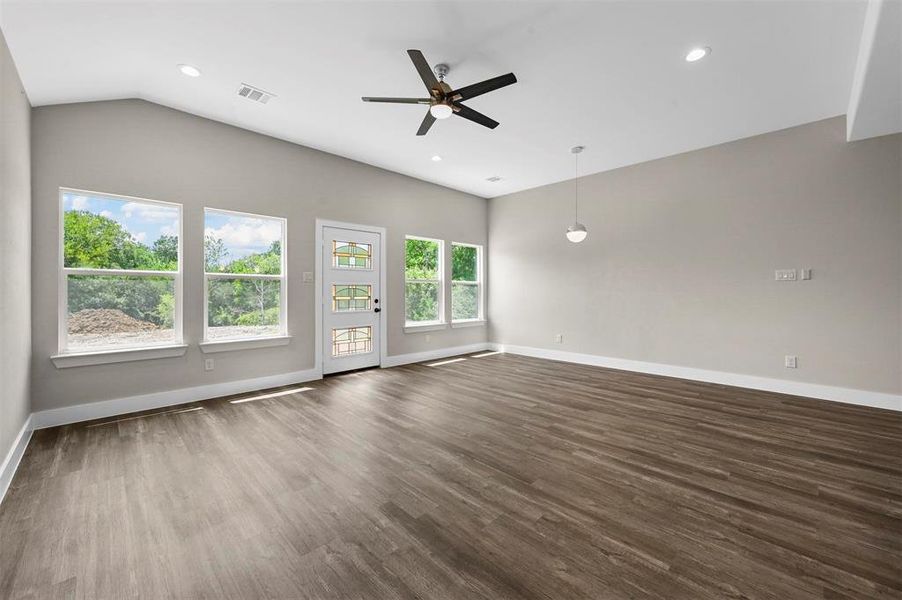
(875,106)
(608,75)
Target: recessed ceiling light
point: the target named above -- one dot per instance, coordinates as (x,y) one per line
(697,54)
(189,70)
(436,158)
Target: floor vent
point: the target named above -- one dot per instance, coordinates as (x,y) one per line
(256,94)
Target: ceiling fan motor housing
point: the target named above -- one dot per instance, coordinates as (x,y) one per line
(441,70)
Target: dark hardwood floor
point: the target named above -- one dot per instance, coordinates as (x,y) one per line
(499,477)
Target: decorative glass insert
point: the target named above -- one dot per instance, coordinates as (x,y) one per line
(352,340)
(352,255)
(351,297)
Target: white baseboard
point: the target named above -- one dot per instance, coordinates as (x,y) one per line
(415,357)
(783,386)
(120,406)
(14,456)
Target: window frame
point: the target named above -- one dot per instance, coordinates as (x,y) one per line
(262,340)
(442,321)
(63,273)
(480,283)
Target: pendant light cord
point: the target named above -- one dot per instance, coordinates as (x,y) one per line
(576,181)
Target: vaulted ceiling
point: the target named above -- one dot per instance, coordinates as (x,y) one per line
(607,75)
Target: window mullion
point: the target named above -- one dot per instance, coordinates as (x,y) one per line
(118,272)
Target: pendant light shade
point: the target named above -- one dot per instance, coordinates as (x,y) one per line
(576,232)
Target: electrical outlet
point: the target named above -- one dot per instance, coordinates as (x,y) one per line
(558,338)
(790,361)
(308,277)
(785,274)
(428,337)
(208,364)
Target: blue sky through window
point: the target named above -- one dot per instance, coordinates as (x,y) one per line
(242,235)
(145,222)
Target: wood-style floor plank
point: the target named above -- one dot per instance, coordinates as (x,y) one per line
(500,477)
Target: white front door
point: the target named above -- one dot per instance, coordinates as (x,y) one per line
(351,310)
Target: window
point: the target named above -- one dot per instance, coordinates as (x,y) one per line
(244,262)
(466,282)
(423,281)
(120,276)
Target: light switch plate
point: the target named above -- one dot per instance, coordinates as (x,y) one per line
(785,274)
(791,362)
(805,274)
(308,277)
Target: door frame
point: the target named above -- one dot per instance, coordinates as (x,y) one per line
(318,287)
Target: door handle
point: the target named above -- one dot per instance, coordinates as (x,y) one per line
(377,310)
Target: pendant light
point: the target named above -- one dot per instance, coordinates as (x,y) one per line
(576,232)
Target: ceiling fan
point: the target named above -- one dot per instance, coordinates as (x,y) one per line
(443,101)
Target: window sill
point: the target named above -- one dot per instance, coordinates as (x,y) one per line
(468,323)
(425,326)
(244,344)
(103,357)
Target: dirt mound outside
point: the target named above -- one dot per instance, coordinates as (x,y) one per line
(106,320)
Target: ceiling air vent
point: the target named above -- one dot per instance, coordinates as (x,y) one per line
(494,178)
(256,94)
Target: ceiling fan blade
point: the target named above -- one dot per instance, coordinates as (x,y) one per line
(423,68)
(483,87)
(397,100)
(428,120)
(472,115)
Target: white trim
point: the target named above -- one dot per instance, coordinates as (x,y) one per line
(318,286)
(218,275)
(415,357)
(468,323)
(244,344)
(119,272)
(120,406)
(755,382)
(103,357)
(414,327)
(14,456)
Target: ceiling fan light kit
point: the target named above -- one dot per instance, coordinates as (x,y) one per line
(443,101)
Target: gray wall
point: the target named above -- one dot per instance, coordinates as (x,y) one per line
(141,149)
(679,264)
(15,251)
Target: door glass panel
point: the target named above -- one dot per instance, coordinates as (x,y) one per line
(351,340)
(352,255)
(348,297)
